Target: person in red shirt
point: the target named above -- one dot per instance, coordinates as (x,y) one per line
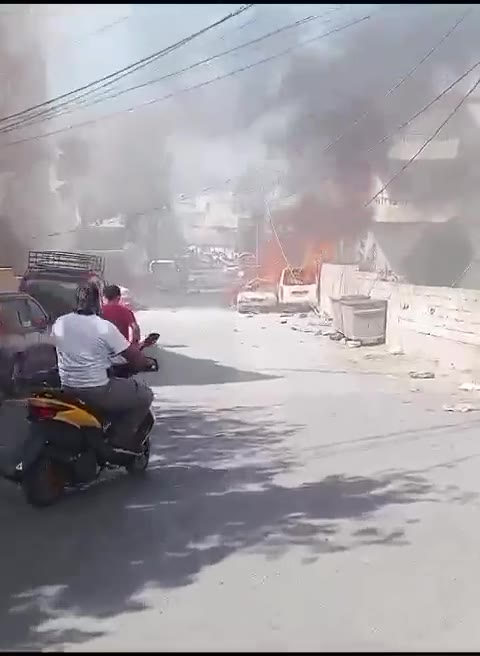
(119,315)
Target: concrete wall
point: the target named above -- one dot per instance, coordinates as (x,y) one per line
(437,322)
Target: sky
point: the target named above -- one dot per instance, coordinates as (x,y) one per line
(86,42)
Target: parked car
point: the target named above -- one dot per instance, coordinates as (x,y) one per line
(297,289)
(52,278)
(167,275)
(257,295)
(24,346)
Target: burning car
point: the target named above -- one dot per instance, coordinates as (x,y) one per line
(256,296)
(297,288)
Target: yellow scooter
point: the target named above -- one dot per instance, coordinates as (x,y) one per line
(68,443)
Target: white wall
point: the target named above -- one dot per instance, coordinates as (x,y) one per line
(438,322)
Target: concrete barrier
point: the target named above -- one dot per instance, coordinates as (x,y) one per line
(441,323)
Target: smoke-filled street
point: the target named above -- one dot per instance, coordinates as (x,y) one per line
(288,195)
(291,503)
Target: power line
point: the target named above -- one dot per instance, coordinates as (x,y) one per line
(416,155)
(224,53)
(131,68)
(425,107)
(429,140)
(109,96)
(402,80)
(186,89)
(421,111)
(102,29)
(106,96)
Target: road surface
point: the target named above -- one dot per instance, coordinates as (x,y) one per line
(291,504)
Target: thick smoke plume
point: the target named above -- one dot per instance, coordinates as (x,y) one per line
(285,112)
(329,94)
(300,104)
(27,205)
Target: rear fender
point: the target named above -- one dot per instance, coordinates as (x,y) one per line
(33,448)
(38,443)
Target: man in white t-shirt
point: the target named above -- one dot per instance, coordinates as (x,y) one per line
(85,345)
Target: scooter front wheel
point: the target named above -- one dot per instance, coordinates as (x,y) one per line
(44,482)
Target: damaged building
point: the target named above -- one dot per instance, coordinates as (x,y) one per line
(424,226)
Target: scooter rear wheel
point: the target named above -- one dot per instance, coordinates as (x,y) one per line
(44,482)
(139,463)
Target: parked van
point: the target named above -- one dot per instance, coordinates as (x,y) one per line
(297,288)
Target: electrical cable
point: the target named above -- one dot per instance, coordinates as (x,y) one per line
(131,68)
(224,53)
(100,30)
(396,86)
(186,89)
(425,107)
(111,94)
(427,142)
(421,111)
(402,80)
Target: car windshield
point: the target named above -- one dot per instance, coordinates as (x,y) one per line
(57,297)
(298,277)
(163,267)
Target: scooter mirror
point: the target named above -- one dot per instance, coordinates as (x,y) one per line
(151,339)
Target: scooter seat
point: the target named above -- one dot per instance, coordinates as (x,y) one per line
(61,395)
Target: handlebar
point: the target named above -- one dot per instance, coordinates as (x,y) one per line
(150,340)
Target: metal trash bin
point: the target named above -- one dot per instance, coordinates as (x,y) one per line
(364,320)
(337,309)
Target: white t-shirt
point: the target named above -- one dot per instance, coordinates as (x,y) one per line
(85,345)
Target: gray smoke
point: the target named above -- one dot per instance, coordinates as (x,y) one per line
(27,205)
(299,104)
(329,94)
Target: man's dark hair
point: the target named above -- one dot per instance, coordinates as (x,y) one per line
(88,299)
(112,292)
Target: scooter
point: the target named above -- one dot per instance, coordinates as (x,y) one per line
(68,443)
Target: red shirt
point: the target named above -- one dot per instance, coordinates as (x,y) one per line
(120,316)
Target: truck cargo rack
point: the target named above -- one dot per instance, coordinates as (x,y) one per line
(49,260)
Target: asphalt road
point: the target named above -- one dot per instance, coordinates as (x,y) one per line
(291,504)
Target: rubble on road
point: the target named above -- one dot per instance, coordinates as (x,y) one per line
(315,324)
(304,329)
(325,331)
(396,351)
(469,387)
(374,356)
(422,375)
(461,407)
(336,337)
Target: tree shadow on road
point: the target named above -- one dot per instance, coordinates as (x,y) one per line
(212,491)
(178,369)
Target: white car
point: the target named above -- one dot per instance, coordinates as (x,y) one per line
(257,295)
(297,289)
